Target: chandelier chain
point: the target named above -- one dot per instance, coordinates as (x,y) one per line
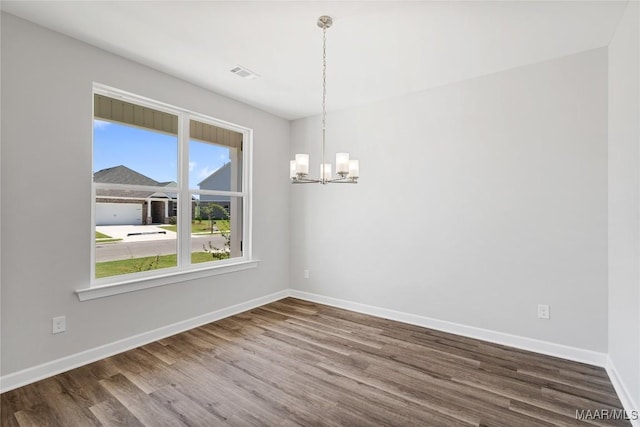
(324,76)
(324,99)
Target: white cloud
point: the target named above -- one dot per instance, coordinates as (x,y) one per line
(192,166)
(100,124)
(204,172)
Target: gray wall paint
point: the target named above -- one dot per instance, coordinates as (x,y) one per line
(478,201)
(46,160)
(624,201)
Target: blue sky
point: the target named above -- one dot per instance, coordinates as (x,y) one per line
(151,153)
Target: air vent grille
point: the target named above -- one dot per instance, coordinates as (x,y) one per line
(243,72)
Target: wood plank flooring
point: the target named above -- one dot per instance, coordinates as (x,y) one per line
(293,363)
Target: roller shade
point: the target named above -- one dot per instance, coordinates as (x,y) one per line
(209,133)
(116,110)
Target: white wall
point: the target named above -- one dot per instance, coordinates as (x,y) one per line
(46,177)
(624,202)
(478,201)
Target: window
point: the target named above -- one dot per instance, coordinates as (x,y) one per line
(169,190)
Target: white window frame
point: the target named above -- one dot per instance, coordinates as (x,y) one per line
(184,270)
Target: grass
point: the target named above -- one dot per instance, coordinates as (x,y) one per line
(202,227)
(103,238)
(135,265)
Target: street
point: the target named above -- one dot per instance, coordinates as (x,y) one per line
(127,250)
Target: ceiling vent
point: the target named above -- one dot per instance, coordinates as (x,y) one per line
(244,72)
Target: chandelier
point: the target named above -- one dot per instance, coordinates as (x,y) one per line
(347,170)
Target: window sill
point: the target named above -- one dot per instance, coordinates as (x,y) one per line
(102,291)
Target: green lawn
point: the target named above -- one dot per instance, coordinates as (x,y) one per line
(202,227)
(126,266)
(103,238)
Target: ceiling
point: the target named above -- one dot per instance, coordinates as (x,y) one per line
(376,50)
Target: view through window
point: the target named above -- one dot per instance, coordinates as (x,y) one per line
(168,189)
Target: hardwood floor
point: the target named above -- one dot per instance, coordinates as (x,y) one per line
(295,363)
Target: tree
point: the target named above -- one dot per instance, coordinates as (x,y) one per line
(212,210)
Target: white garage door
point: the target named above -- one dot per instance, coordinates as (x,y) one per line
(118,213)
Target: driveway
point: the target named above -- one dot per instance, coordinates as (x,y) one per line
(136,233)
(147,240)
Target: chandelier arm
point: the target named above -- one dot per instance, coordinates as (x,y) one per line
(305,181)
(345,180)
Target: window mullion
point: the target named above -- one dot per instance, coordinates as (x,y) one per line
(218,192)
(93,230)
(184,213)
(247,183)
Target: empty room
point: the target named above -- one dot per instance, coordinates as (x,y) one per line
(358,213)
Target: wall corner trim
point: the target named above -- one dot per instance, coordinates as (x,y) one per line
(523,343)
(625,397)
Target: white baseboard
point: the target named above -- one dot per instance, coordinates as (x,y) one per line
(45,370)
(630,406)
(36,373)
(524,343)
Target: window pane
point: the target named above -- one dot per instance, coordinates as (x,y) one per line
(216,231)
(134,145)
(124,154)
(215,158)
(124,245)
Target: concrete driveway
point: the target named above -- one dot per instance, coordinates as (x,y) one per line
(136,233)
(147,240)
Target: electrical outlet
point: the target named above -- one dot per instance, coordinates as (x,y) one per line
(59,324)
(543,311)
(306,274)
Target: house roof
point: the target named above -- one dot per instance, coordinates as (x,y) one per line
(170,184)
(124,175)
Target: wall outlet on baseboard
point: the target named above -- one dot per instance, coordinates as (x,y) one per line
(306,273)
(59,324)
(543,311)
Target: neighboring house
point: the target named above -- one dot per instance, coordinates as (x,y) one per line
(218,180)
(115,207)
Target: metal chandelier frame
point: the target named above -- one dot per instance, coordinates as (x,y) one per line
(347,169)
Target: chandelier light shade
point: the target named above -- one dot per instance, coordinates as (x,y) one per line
(347,170)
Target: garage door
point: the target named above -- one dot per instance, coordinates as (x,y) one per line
(118,214)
